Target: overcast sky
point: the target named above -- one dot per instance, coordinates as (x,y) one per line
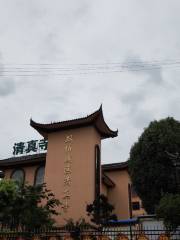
(76,36)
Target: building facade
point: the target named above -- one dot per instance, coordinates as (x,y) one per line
(72,168)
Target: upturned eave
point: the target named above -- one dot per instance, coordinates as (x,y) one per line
(95,119)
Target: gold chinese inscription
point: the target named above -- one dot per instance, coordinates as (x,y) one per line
(67,172)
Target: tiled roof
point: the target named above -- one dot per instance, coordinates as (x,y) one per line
(23,160)
(96,119)
(115,166)
(107,180)
(41,158)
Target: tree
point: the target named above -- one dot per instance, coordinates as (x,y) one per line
(75,227)
(101,211)
(8,195)
(25,206)
(169,210)
(151,168)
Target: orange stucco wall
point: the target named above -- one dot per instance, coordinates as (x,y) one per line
(82,174)
(104,190)
(141,211)
(29,173)
(82,190)
(118,196)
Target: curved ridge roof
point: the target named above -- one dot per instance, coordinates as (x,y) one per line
(95,119)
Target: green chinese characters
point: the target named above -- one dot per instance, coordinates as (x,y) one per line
(32,146)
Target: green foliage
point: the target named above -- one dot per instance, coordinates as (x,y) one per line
(151,169)
(169,210)
(74,227)
(26,207)
(101,210)
(81,224)
(8,187)
(8,195)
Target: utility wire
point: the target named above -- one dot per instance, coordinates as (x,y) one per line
(101,63)
(45,69)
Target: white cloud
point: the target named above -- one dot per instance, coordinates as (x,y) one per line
(73,32)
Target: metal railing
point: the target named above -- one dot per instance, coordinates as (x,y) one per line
(109,233)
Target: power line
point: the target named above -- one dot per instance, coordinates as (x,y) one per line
(45,69)
(101,63)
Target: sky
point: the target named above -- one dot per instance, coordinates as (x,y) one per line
(61,60)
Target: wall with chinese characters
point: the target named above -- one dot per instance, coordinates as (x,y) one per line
(70,173)
(70,169)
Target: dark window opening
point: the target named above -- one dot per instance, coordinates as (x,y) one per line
(1,174)
(39,176)
(18,175)
(135,205)
(97,171)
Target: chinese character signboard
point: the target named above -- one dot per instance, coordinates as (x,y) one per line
(33,146)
